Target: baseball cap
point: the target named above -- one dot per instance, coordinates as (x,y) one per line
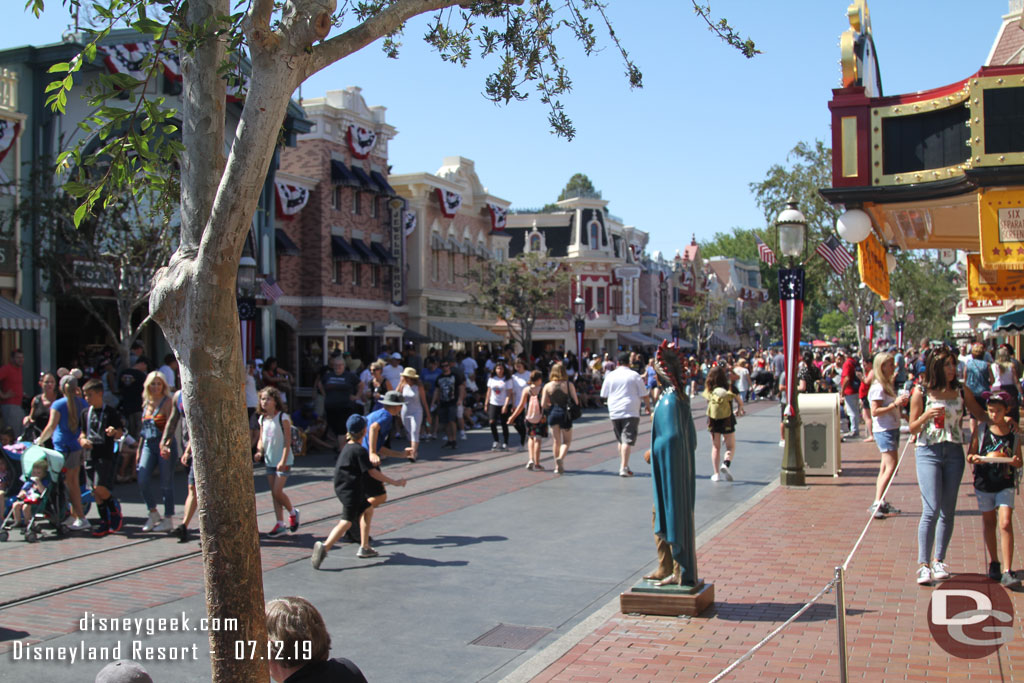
(396,356)
(355,424)
(123,671)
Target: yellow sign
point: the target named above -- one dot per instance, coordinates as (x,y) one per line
(992,283)
(1001,216)
(871,263)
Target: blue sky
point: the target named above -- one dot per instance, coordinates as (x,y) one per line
(676,157)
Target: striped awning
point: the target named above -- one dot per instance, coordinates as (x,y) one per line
(14,317)
(455,331)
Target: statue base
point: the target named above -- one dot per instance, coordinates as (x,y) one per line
(646,597)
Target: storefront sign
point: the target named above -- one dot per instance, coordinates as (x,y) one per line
(992,283)
(101,277)
(971,304)
(1001,215)
(397,206)
(871,263)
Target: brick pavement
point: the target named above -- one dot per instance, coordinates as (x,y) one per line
(779,554)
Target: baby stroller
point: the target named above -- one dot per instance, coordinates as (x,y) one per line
(763,384)
(52,505)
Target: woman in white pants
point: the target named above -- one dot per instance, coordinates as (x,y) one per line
(415,410)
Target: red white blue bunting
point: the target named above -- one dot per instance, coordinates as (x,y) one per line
(360,141)
(9,131)
(449,201)
(497,216)
(290,199)
(131,59)
(410,223)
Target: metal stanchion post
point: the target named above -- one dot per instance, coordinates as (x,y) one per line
(841,623)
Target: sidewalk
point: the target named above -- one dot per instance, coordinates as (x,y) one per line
(778,555)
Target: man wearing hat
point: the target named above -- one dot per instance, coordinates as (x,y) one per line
(393,370)
(379,424)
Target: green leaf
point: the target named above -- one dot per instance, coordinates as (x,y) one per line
(80,214)
(59,67)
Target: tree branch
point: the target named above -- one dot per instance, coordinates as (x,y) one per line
(384,23)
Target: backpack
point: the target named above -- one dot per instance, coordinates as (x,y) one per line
(298,437)
(719,404)
(533,414)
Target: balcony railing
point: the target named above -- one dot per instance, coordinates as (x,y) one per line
(8,90)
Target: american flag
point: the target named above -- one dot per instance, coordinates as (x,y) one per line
(764,252)
(271,289)
(843,306)
(836,255)
(593,314)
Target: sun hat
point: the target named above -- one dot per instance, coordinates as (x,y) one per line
(392,398)
(411,373)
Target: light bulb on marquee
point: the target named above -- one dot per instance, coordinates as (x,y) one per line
(854,226)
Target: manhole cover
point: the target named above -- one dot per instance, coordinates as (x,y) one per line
(512,637)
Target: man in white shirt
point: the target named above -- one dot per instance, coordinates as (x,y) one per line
(623,390)
(393,370)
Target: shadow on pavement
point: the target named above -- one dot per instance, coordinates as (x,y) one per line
(443,541)
(400,559)
(10,634)
(775,611)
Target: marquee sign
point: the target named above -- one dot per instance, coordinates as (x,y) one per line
(398,216)
(1001,215)
(874,273)
(992,283)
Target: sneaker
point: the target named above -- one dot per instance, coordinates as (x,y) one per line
(888,509)
(994,571)
(724,472)
(100,530)
(924,575)
(462,435)
(504,446)
(625,472)
(715,477)
(494,446)
(293,521)
(154,519)
(166,524)
(538,467)
(181,531)
(876,511)
(449,444)
(940,571)
(319,553)
(529,466)
(1009,580)
(279,529)
(782,443)
(79,525)
(367,552)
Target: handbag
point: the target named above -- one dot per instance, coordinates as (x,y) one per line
(575,409)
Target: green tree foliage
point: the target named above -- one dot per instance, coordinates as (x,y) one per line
(928,289)
(521,291)
(579,185)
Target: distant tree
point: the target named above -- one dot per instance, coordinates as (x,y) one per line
(579,185)
(928,290)
(837,325)
(520,291)
(697,321)
(114,254)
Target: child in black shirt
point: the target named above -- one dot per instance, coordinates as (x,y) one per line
(101,428)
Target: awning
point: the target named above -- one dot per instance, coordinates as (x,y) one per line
(637,339)
(284,243)
(455,331)
(341,175)
(342,250)
(1013,321)
(364,252)
(382,183)
(383,254)
(364,179)
(14,317)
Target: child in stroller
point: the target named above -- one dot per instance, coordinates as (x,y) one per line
(763,382)
(42,497)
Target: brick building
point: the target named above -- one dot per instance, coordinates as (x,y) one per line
(458,225)
(340,257)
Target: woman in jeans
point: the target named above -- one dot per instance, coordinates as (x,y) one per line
(936,409)
(156,409)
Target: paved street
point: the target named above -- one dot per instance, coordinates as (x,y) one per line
(473,542)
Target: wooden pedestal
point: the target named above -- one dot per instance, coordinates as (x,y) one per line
(667,601)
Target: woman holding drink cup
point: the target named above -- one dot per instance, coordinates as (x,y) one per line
(936,409)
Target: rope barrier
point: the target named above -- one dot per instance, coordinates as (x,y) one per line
(828,587)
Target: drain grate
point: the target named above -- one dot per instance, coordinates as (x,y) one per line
(512,637)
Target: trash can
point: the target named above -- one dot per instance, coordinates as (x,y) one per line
(819,414)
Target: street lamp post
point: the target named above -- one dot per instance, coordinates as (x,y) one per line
(869,331)
(792,229)
(757,336)
(246,301)
(580,317)
(899,310)
(675,328)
